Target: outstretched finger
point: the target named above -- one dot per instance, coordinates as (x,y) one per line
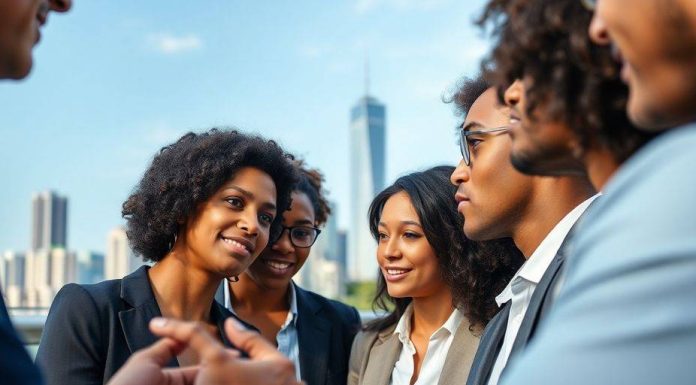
(192,334)
(249,341)
(161,351)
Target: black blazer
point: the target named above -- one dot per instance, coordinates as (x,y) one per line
(325,333)
(15,364)
(91,330)
(539,305)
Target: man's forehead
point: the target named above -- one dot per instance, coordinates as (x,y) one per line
(486,111)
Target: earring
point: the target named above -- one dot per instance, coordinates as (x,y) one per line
(233,279)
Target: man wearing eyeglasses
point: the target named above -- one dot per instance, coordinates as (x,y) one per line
(626,313)
(497,201)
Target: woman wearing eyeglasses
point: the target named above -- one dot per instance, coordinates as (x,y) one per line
(314,332)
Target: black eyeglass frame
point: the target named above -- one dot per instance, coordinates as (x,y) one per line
(292,228)
(464,145)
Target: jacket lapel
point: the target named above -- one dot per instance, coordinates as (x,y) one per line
(488,349)
(543,294)
(382,358)
(314,337)
(137,293)
(460,356)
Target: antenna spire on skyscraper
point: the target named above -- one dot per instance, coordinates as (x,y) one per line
(367,76)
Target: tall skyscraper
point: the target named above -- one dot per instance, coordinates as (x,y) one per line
(367,173)
(90,267)
(14,278)
(119,260)
(49,226)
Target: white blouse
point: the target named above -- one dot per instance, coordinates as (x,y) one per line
(438,346)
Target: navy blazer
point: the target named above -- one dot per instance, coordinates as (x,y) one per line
(91,330)
(15,364)
(325,333)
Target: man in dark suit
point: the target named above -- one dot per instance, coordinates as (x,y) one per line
(498,201)
(19,31)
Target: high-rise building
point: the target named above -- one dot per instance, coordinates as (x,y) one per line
(90,267)
(119,260)
(49,226)
(367,174)
(47,271)
(14,278)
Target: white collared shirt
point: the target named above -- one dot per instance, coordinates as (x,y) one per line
(438,346)
(287,338)
(523,283)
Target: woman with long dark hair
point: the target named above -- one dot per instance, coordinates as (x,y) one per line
(204,210)
(437,287)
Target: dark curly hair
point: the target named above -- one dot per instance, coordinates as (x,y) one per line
(475,271)
(187,173)
(576,81)
(310,183)
(465,93)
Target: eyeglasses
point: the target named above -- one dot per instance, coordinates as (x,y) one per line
(300,236)
(591,5)
(464,143)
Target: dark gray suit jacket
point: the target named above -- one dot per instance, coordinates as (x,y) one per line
(540,303)
(325,332)
(91,330)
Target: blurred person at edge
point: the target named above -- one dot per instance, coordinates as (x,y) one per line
(314,332)
(20,23)
(635,266)
(436,285)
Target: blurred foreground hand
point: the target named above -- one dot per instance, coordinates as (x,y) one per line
(218,365)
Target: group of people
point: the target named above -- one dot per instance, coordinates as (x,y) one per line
(561,248)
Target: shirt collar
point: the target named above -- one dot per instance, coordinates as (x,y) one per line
(292,297)
(534,268)
(403,327)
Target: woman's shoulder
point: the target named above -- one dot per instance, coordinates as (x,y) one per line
(88,296)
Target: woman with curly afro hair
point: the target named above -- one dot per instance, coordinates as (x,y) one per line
(437,286)
(314,332)
(202,212)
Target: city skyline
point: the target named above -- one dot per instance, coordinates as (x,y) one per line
(141,76)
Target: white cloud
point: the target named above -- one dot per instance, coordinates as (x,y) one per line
(169,44)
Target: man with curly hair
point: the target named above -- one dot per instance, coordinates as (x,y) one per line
(625,313)
(497,201)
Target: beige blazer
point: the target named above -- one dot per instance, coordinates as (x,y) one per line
(374,356)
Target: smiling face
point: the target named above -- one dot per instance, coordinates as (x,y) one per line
(232,227)
(657,45)
(20,21)
(491,195)
(281,261)
(539,146)
(406,259)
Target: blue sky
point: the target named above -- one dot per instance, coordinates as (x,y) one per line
(114,81)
